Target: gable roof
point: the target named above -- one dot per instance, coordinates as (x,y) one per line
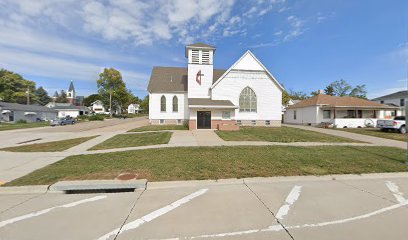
(200,45)
(259,62)
(400,94)
(23,107)
(172,79)
(333,101)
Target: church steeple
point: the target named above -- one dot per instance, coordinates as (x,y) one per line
(71,93)
(200,69)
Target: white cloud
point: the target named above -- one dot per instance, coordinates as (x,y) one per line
(296,28)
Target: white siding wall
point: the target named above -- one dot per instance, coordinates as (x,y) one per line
(65,113)
(215,114)
(269,96)
(303,115)
(196,90)
(154,106)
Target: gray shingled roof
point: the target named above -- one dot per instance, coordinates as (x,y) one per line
(396,95)
(209,102)
(200,45)
(173,79)
(22,107)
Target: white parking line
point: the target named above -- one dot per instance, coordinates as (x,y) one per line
(395,191)
(290,200)
(41,212)
(153,215)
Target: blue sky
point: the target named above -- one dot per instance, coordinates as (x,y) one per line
(306,44)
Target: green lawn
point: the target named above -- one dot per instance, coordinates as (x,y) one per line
(278,134)
(56,146)
(221,162)
(134,140)
(376,133)
(159,128)
(12,126)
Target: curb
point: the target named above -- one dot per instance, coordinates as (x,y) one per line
(95,185)
(37,189)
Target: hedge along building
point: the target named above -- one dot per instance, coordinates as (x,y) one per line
(245,94)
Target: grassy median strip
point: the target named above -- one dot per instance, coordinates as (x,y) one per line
(375,132)
(159,128)
(134,140)
(221,162)
(56,146)
(13,126)
(278,134)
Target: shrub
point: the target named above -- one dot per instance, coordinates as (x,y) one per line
(83,117)
(21,121)
(96,117)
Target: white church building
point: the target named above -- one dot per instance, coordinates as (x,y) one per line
(245,94)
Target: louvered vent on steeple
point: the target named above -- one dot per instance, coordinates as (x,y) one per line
(205,59)
(195,56)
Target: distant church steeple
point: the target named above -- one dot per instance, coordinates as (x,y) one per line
(71,93)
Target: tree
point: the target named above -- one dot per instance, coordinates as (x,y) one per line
(62,97)
(144,104)
(329,90)
(359,91)
(340,88)
(112,89)
(314,93)
(285,98)
(13,87)
(42,96)
(298,95)
(91,98)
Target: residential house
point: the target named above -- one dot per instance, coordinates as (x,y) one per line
(12,112)
(397,99)
(98,108)
(245,94)
(134,108)
(68,109)
(342,112)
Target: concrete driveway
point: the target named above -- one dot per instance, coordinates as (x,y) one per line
(351,207)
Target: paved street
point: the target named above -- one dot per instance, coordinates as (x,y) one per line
(350,207)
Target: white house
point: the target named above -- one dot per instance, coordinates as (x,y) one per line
(245,94)
(97,107)
(68,109)
(397,99)
(133,108)
(350,112)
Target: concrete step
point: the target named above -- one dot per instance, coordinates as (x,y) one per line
(98,185)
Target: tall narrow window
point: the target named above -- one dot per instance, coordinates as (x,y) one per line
(175,104)
(163,104)
(247,100)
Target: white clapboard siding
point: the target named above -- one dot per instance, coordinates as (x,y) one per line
(269,96)
(154,106)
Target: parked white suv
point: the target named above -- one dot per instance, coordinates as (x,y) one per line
(397,124)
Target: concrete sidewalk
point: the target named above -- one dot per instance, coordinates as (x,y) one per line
(359,137)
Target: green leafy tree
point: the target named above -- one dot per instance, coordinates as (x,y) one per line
(144,104)
(91,98)
(341,88)
(285,98)
(42,96)
(359,91)
(62,97)
(298,95)
(13,87)
(329,90)
(112,89)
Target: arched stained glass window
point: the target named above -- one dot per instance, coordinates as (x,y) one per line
(175,104)
(163,103)
(247,100)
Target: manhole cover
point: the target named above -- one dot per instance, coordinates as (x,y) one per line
(126,176)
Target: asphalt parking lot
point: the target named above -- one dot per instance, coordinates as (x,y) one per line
(292,208)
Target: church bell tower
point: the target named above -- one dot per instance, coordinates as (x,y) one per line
(200,69)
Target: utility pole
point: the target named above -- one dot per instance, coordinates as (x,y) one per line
(110,103)
(28,95)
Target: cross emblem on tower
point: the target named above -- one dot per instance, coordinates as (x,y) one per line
(198,77)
